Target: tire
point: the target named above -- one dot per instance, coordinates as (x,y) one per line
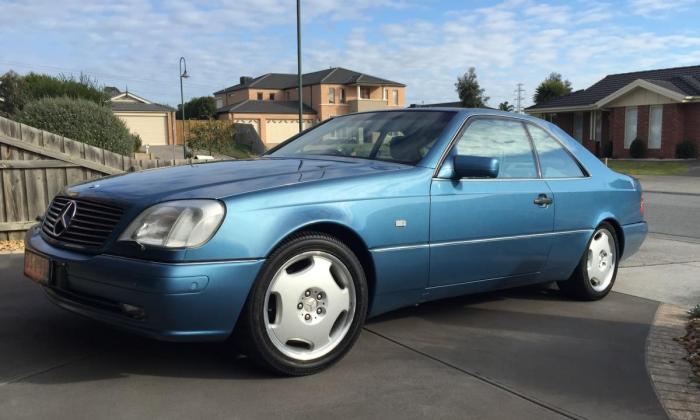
(307,306)
(595,274)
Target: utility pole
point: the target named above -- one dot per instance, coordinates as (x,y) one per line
(519,98)
(301,102)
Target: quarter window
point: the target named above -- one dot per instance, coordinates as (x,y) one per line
(505,140)
(555,161)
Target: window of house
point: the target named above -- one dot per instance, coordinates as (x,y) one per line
(578,126)
(272,96)
(331,95)
(655,120)
(342,95)
(502,139)
(364,92)
(630,125)
(260,96)
(555,161)
(385,94)
(219,102)
(395,96)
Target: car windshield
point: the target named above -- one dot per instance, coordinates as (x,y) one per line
(403,137)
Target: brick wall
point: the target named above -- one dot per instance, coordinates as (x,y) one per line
(617,133)
(691,118)
(565,121)
(672,129)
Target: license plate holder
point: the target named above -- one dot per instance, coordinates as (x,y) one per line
(37,267)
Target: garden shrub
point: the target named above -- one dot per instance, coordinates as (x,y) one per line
(81,120)
(686,150)
(638,149)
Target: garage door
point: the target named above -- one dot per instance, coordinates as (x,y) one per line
(151,127)
(277,131)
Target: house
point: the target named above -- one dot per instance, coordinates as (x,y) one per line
(270,103)
(154,123)
(660,107)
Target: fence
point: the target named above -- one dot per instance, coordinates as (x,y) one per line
(35,165)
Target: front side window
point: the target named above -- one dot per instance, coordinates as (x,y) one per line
(555,161)
(403,137)
(630,125)
(655,120)
(505,140)
(331,95)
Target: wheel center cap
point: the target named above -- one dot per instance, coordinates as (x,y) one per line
(310,304)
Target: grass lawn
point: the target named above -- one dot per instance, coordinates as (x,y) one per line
(631,167)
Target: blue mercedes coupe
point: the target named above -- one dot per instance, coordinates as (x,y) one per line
(290,253)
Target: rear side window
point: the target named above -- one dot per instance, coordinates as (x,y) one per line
(555,161)
(505,140)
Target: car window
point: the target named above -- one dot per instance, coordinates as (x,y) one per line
(404,137)
(555,161)
(502,139)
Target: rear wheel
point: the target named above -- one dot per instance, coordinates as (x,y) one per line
(308,305)
(595,275)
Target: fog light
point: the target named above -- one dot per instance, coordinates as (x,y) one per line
(133,311)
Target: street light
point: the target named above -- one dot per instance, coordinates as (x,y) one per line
(183,75)
(301,102)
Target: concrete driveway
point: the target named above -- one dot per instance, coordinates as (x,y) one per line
(526,353)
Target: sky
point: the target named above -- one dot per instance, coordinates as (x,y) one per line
(425,44)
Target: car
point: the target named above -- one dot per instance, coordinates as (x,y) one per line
(288,254)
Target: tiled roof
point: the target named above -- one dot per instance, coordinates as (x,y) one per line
(335,75)
(119,106)
(683,80)
(250,106)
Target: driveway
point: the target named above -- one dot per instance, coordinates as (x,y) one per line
(526,353)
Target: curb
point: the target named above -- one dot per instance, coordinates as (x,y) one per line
(670,374)
(670,192)
(21,251)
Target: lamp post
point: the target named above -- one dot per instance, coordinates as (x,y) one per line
(183,75)
(301,102)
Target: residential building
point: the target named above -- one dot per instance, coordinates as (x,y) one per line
(660,107)
(154,123)
(270,102)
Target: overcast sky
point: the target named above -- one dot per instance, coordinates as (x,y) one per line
(424,44)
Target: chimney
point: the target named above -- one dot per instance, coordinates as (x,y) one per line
(246,79)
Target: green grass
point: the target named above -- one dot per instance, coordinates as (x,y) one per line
(631,167)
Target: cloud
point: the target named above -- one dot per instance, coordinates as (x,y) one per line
(658,8)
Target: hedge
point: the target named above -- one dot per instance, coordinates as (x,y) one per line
(80,120)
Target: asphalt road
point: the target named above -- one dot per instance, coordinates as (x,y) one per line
(520,354)
(674,214)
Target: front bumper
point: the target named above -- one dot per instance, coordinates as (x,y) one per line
(181,301)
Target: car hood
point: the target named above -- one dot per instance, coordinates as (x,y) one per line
(222,179)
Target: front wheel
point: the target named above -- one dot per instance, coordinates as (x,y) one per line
(595,274)
(308,305)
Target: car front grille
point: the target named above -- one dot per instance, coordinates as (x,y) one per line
(89,224)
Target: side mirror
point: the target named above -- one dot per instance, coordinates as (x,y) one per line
(475,167)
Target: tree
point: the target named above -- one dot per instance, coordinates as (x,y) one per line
(469,91)
(12,93)
(213,136)
(202,108)
(505,106)
(81,120)
(551,88)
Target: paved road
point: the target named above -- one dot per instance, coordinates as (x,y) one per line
(520,354)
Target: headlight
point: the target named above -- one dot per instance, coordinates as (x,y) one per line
(176,224)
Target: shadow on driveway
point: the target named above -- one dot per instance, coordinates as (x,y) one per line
(516,354)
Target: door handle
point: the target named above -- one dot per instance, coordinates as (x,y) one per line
(542,200)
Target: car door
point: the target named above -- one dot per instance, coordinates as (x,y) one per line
(490,228)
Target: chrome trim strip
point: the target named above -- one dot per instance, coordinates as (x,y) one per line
(510,179)
(476,241)
(399,248)
(509,238)
(242,260)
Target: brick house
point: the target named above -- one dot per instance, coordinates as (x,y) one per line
(270,102)
(660,107)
